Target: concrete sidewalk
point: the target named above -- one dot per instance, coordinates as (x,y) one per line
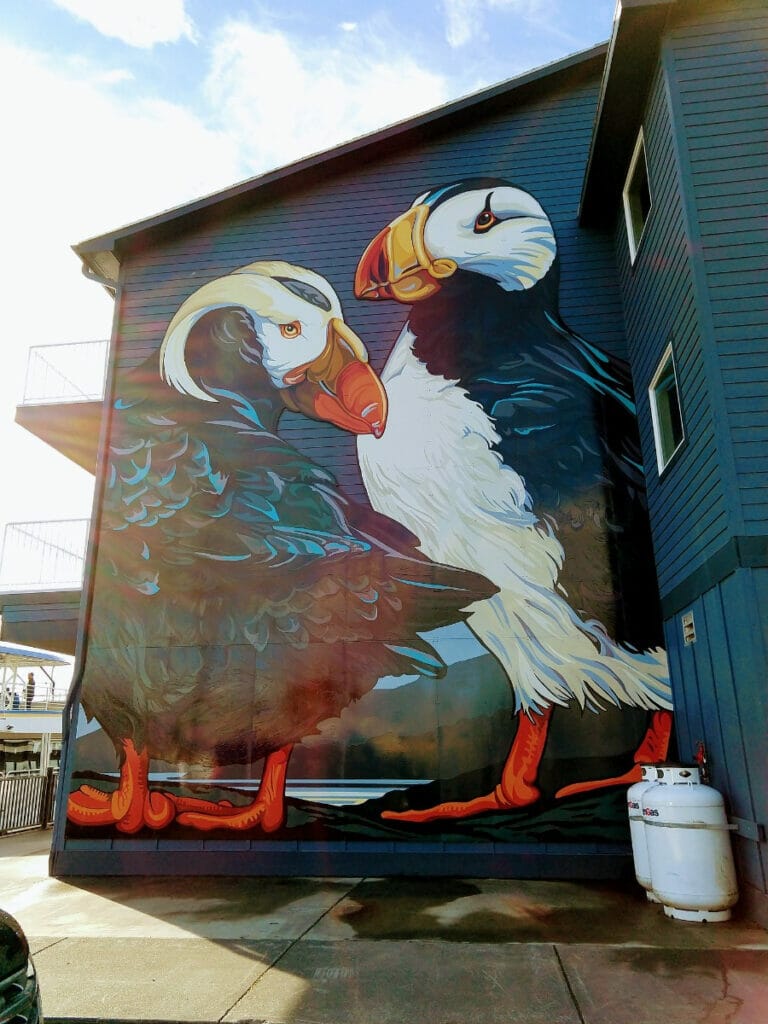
(373,951)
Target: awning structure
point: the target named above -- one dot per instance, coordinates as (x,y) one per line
(18,656)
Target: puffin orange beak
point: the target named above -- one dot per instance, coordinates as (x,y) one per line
(397,264)
(339,386)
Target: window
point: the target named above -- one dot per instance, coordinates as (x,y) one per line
(667,417)
(636,196)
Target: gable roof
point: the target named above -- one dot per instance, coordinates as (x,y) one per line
(101,254)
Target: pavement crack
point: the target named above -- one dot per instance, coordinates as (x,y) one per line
(49,943)
(731,1004)
(568,985)
(289,947)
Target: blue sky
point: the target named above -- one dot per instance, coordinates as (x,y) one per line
(117,109)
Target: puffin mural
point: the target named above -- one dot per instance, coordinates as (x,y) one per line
(240,599)
(512,450)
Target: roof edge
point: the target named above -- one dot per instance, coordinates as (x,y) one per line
(630,62)
(95,249)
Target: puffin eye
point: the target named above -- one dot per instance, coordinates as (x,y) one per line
(485,221)
(292,330)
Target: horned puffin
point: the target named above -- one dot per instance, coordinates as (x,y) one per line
(527,468)
(239,598)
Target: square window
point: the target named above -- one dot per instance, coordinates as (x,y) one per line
(636,197)
(668,433)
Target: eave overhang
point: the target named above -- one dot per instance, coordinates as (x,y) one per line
(101,255)
(632,54)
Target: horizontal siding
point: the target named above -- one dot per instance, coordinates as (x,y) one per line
(720,58)
(687,505)
(720,699)
(541,146)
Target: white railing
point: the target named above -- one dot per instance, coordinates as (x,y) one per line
(44,555)
(72,372)
(15,699)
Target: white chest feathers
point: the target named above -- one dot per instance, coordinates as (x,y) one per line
(434,471)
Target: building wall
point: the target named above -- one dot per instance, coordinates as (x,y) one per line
(721,701)
(697,282)
(460,729)
(688,506)
(716,60)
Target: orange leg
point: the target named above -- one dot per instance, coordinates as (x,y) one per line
(518,778)
(129,807)
(653,749)
(267,811)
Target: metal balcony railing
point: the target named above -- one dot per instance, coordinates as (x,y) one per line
(66,373)
(43,555)
(26,801)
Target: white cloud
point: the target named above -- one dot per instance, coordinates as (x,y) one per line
(526,8)
(116,75)
(284,99)
(141,23)
(80,158)
(463,20)
(348,26)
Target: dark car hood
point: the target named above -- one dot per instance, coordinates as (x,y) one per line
(14,951)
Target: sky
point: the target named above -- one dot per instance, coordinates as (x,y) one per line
(113,110)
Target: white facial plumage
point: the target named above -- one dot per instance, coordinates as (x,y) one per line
(284,350)
(290,307)
(516,250)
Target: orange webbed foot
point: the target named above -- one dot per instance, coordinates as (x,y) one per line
(653,748)
(209,816)
(456,809)
(518,779)
(266,812)
(129,807)
(633,775)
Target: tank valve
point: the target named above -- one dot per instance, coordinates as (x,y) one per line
(701,759)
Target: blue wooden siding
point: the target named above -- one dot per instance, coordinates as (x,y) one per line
(718,59)
(721,699)
(541,144)
(699,281)
(687,506)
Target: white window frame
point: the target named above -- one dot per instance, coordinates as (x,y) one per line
(637,154)
(663,461)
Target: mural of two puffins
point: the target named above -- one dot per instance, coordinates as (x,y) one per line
(245,611)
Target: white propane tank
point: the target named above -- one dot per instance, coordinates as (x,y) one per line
(689,846)
(637,829)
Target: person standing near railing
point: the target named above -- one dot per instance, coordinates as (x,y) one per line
(30,689)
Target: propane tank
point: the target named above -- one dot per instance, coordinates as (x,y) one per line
(637,829)
(689,846)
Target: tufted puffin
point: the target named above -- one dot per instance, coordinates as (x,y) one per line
(528,468)
(239,599)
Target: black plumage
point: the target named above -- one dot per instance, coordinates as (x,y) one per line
(239,598)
